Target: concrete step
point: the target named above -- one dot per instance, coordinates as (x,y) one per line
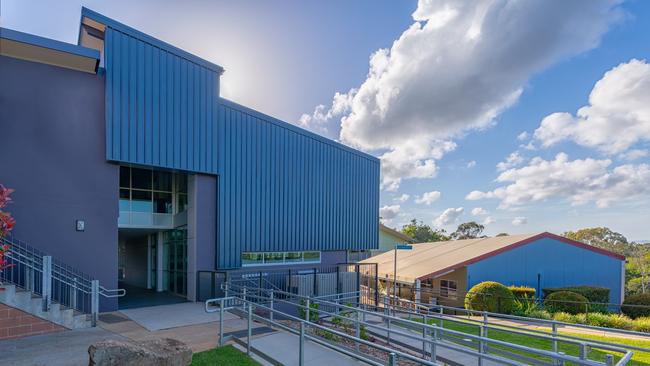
(33,304)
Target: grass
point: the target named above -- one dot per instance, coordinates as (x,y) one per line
(226,355)
(639,358)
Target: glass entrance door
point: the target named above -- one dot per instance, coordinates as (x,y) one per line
(175,261)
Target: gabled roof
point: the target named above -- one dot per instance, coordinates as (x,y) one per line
(396,233)
(434,259)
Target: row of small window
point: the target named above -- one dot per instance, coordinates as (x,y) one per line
(152,180)
(151,191)
(269,258)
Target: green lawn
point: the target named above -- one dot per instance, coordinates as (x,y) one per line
(639,358)
(226,355)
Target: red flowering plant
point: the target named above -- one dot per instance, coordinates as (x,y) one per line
(6,224)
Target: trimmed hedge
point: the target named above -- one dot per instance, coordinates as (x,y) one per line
(593,294)
(565,302)
(522,292)
(490,296)
(633,311)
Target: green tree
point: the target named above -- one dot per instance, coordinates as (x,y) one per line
(422,233)
(503,234)
(468,230)
(603,237)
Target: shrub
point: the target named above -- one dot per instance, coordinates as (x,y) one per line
(313,311)
(565,301)
(636,311)
(522,292)
(608,320)
(524,307)
(593,294)
(490,296)
(642,324)
(540,314)
(565,317)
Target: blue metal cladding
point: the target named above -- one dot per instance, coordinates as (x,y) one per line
(285,189)
(161,106)
(558,264)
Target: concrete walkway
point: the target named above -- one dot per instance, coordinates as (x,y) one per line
(283,347)
(67,348)
(160,317)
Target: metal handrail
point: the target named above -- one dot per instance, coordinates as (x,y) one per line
(584,344)
(53,280)
(301,332)
(551,323)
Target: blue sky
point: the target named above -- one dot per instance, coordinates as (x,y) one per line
(444,103)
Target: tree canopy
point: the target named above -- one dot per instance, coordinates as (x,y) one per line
(603,237)
(423,233)
(468,230)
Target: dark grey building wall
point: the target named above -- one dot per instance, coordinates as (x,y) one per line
(52,148)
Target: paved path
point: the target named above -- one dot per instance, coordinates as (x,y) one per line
(172,316)
(283,347)
(66,348)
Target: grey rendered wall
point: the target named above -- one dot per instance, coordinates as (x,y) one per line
(201,232)
(52,148)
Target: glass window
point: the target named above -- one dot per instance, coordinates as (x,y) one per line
(252,258)
(182,203)
(293,257)
(125,177)
(448,289)
(162,202)
(162,181)
(274,257)
(311,256)
(141,201)
(181,183)
(140,178)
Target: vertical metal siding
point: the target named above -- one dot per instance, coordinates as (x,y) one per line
(558,264)
(160,107)
(285,190)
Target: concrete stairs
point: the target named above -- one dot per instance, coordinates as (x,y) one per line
(32,304)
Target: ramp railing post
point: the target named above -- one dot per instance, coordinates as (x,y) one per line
(271,306)
(392,359)
(249,340)
(94,301)
(301,352)
(307,313)
(358,331)
(433,343)
(47,282)
(221,313)
(73,294)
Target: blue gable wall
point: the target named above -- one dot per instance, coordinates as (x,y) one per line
(559,264)
(161,102)
(282,188)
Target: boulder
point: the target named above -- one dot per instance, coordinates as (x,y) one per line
(155,352)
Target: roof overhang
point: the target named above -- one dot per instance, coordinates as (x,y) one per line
(47,51)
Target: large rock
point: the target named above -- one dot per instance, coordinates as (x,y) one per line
(155,352)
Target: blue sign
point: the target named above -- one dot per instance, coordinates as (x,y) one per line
(403,247)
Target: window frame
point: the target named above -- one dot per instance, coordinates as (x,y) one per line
(284,261)
(447,291)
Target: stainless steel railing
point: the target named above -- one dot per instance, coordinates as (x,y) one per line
(53,280)
(480,346)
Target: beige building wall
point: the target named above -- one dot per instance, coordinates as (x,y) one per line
(433,290)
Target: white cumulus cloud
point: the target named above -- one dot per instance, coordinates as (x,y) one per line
(511,161)
(523,136)
(448,217)
(455,69)
(403,198)
(489,220)
(389,212)
(428,197)
(471,164)
(616,118)
(579,181)
(520,220)
(479,211)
